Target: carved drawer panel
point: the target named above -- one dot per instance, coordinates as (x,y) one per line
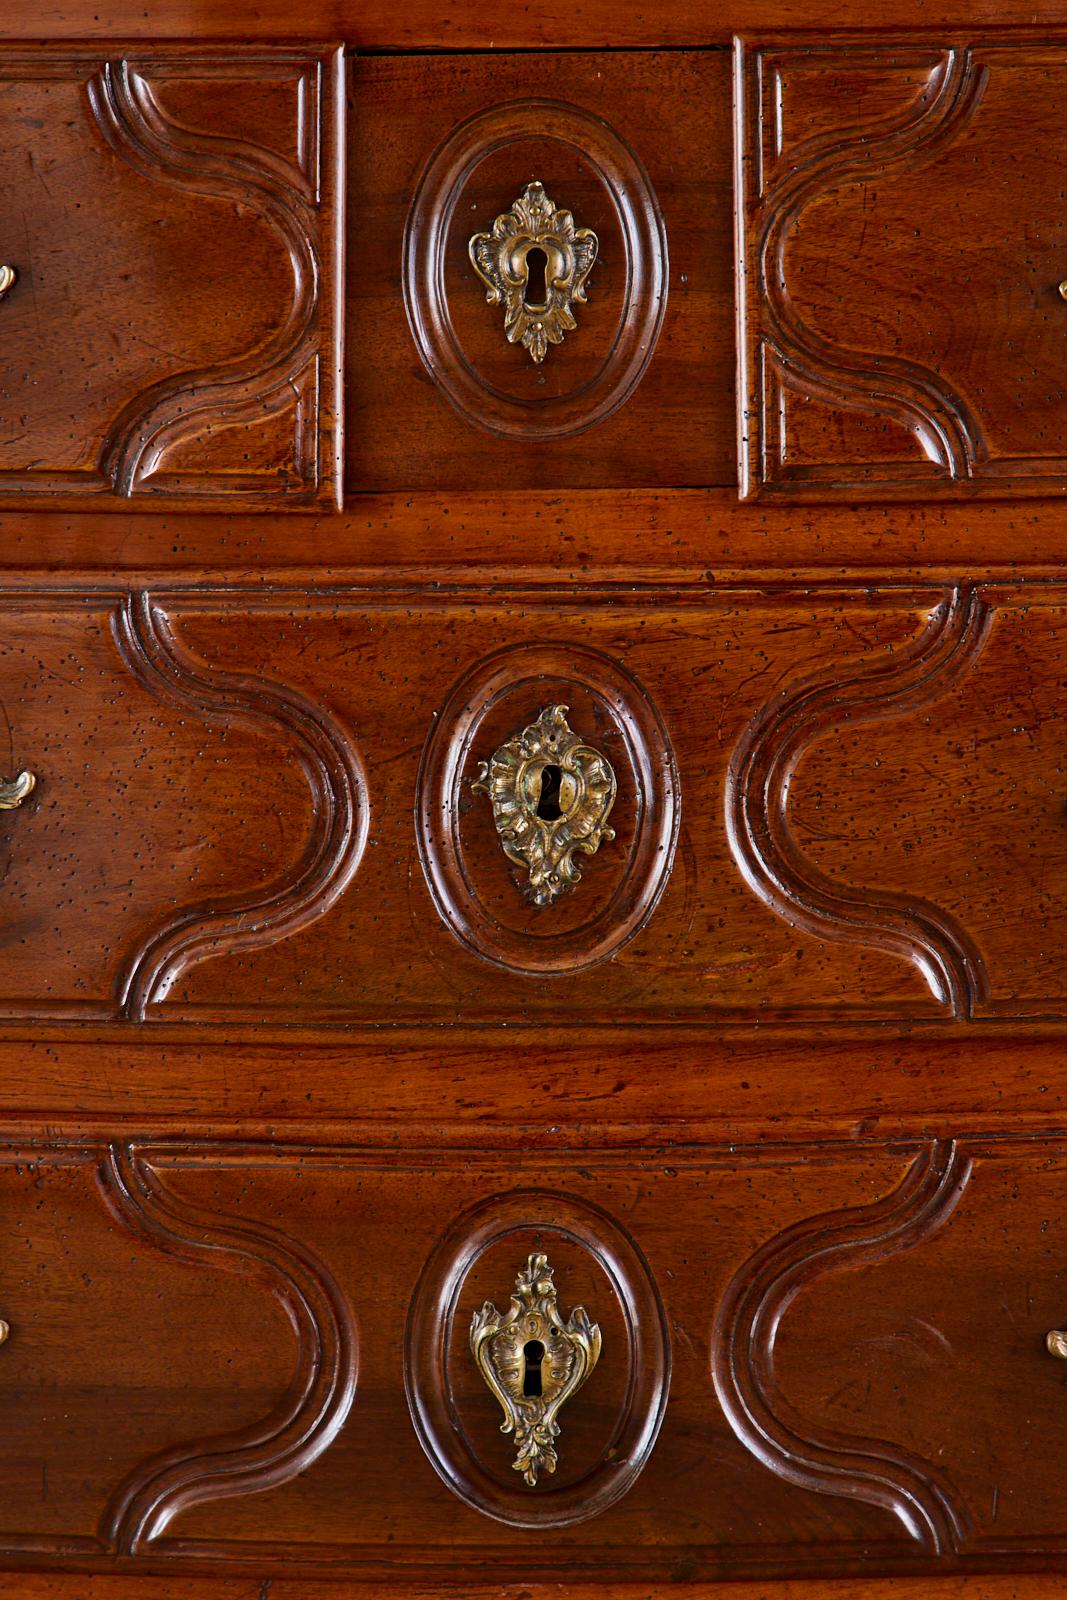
(903,246)
(281,1345)
(716,807)
(171,237)
(479,174)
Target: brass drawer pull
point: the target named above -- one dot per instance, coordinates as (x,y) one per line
(13,791)
(1056,1343)
(534,263)
(533,1362)
(7,279)
(552,795)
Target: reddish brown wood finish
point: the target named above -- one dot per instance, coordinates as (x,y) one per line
(892,346)
(282,1098)
(172,332)
(637,147)
(231,1251)
(874,783)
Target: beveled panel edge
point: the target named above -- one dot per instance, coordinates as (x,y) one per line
(307,216)
(647,278)
(448,750)
(429,1330)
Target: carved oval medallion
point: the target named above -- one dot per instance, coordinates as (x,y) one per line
(611,1424)
(472,180)
(481,894)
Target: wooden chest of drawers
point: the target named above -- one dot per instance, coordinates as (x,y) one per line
(532,802)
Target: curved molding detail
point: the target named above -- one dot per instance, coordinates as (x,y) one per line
(319,1397)
(439,1330)
(644,239)
(265,380)
(746,1326)
(334,774)
(883,385)
(757,799)
(522,673)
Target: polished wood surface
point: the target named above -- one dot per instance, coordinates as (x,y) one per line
(891,346)
(661,289)
(172,331)
(286,830)
(283,1344)
(293,1079)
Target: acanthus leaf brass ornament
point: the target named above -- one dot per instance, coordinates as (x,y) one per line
(552,795)
(502,261)
(1056,1343)
(13,791)
(533,1362)
(7,279)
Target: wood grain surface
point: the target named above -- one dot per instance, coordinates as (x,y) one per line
(859,1268)
(890,348)
(292,1078)
(173,224)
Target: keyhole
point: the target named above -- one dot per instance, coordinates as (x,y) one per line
(548,806)
(533,1353)
(536,288)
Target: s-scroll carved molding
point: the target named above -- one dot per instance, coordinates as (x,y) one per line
(876,383)
(319,1397)
(757,801)
(335,776)
(263,382)
(746,1326)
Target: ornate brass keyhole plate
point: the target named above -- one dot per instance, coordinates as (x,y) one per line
(534,233)
(552,795)
(534,1362)
(13,791)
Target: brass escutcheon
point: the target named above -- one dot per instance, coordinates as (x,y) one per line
(552,795)
(7,279)
(13,791)
(535,228)
(534,1362)
(1056,1344)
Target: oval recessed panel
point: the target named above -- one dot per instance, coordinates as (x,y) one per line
(478,891)
(476,176)
(608,1427)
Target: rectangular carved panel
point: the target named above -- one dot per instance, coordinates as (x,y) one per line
(901,249)
(275,1342)
(172,221)
(636,149)
(831,806)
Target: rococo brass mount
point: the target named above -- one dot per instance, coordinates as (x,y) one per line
(552,795)
(13,791)
(502,259)
(533,1362)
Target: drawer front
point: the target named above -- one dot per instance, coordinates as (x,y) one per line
(837,807)
(903,251)
(630,379)
(281,1345)
(170,327)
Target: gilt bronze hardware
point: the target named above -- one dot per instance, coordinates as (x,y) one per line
(1056,1343)
(552,794)
(7,279)
(534,235)
(534,1362)
(13,791)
